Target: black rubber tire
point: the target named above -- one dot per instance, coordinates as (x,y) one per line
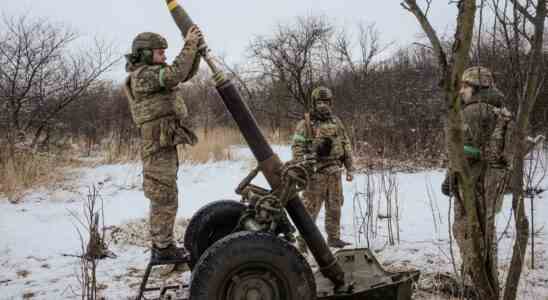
(256,259)
(209,224)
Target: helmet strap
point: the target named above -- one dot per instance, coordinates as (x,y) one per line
(145,56)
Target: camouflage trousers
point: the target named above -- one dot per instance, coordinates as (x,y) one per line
(326,188)
(489,191)
(160,187)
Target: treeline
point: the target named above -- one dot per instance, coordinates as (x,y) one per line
(51,95)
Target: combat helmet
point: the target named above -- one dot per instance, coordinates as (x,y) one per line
(148,41)
(322,93)
(143,43)
(478,76)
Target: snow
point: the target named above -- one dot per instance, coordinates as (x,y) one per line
(36,233)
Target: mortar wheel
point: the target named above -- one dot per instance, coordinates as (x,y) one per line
(209,224)
(252,265)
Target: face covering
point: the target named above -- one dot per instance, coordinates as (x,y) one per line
(323,111)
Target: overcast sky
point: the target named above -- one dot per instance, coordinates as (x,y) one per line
(229,26)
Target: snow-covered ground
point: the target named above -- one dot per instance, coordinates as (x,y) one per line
(37,233)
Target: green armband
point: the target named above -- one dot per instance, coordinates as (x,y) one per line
(299,138)
(471,152)
(161,77)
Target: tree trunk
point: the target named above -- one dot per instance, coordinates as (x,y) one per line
(528,99)
(450,81)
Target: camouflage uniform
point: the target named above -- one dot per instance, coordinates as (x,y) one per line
(486,128)
(159,112)
(326,184)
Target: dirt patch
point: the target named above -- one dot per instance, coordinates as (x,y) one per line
(22,273)
(444,284)
(136,233)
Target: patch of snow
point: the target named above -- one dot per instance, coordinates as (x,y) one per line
(37,232)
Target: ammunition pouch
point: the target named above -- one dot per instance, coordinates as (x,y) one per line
(173,133)
(163,133)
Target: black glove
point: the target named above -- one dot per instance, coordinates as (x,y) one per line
(323,148)
(449,186)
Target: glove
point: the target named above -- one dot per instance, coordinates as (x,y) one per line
(449,186)
(323,148)
(194,35)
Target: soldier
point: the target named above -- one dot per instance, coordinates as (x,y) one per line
(331,143)
(155,105)
(486,129)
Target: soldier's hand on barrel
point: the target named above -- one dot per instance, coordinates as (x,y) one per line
(194,34)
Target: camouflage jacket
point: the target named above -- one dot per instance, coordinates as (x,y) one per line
(155,101)
(487,125)
(340,151)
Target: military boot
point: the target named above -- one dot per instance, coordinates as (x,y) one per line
(169,255)
(337,243)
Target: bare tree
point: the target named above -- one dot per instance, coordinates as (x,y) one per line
(208,111)
(517,38)
(40,76)
(357,66)
(369,45)
(291,56)
(90,223)
(452,67)
(522,26)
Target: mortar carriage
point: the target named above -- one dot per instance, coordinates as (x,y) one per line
(244,249)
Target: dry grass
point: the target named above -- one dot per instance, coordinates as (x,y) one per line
(116,151)
(279,136)
(216,144)
(30,169)
(213,145)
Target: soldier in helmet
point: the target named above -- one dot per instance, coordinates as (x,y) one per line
(330,141)
(486,129)
(151,89)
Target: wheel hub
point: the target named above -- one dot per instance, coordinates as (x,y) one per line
(254,286)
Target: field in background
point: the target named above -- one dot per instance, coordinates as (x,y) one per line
(32,169)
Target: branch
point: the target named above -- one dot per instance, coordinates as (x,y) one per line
(411,6)
(423,46)
(428,4)
(523,11)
